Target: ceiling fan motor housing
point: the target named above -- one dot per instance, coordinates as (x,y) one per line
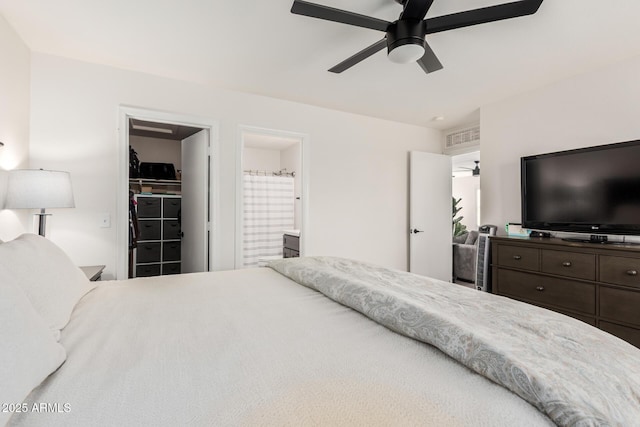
(405,31)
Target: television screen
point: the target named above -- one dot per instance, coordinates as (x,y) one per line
(590,190)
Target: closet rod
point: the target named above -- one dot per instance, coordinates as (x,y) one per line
(281,172)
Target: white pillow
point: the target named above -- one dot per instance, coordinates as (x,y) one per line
(28,352)
(48,277)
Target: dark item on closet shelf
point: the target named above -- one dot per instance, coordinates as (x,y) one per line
(157,170)
(134,164)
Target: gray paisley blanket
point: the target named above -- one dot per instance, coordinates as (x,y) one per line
(574,373)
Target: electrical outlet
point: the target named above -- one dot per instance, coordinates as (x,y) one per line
(105,220)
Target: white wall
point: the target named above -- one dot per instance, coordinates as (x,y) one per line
(358,168)
(14,122)
(261,159)
(594,108)
(466,188)
(157,150)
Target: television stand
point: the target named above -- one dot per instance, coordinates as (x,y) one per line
(598,284)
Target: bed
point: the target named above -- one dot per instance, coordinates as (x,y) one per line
(308,341)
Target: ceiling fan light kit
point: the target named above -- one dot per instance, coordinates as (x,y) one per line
(405,38)
(405,53)
(405,41)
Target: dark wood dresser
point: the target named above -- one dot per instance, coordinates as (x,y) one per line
(598,284)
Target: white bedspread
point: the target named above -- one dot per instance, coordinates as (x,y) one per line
(576,374)
(252,347)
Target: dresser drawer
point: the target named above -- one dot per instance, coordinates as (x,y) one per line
(148,207)
(291,242)
(548,291)
(147,270)
(290,253)
(630,335)
(620,270)
(171,207)
(570,264)
(148,252)
(171,251)
(518,257)
(171,268)
(589,320)
(149,229)
(171,229)
(620,305)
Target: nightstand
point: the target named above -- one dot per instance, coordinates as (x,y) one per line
(93,272)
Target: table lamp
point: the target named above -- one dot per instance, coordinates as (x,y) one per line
(39,189)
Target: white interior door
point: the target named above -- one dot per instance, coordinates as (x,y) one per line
(195,202)
(430,251)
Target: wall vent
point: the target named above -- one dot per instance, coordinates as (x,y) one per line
(462,139)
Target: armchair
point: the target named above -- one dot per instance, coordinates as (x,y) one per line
(465,248)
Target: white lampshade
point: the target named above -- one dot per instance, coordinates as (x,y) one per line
(39,189)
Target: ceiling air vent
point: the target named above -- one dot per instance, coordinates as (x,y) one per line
(461,139)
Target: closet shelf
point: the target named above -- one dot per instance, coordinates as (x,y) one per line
(154,181)
(147,185)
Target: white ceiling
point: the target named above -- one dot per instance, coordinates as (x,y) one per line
(258,46)
(267,142)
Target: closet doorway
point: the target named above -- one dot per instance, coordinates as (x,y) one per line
(272,196)
(168,184)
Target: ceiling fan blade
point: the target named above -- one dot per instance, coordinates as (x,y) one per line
(482,15)
(416,9)
(327,13)
(429,61)
(360,56)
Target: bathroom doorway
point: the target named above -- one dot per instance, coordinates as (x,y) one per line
(272,196)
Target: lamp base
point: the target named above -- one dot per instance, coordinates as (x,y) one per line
(42,222)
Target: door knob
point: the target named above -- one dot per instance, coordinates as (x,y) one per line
(416,231)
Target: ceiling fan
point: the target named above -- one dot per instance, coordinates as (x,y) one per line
(475,171)
(405,38)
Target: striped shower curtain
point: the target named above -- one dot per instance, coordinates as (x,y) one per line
(268,212)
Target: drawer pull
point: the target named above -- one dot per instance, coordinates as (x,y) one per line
(517,257)
(566,264)
(540,288)
(632,272)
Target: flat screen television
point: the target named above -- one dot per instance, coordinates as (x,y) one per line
(593,190)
